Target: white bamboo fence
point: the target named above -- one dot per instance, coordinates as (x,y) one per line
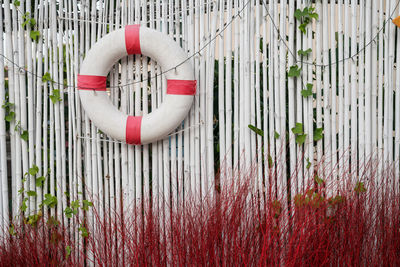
(242,52)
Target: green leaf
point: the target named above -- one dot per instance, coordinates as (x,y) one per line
(270,162)
(32,22)
(67,252)
(302,28)
(298,129)
(17,127)
(16,3)
(75,204)
(34,170)
(276,135)
(39,181)
(10,116)
(47,78)
(24,207)
(50,200)
(70,212)
(308,92)
(301,138)
(294,71)
(7,105)
(318,180)
(360,188)
(33,219)
(298,14)
(24,23)
(314,16)
(11,230)
(31,193)
(34,35)
(256,130)
(318,134)
(55,97)
(24,135)
(304,53)
(86,204)
(21,191)
(308,164)
(82,229)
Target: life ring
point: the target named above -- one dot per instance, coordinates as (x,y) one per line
(181,86)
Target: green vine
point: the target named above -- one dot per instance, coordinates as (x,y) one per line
(28,21)
(49,201)
(305,17)
(56,95)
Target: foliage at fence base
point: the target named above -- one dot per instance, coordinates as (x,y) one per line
(356,225)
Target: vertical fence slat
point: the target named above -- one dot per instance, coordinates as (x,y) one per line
(3,153)
(353,67)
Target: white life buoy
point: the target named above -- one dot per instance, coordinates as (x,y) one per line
(181,86)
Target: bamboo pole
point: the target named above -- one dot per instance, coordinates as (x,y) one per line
(340,89)
(299,183)
(346,89)
(18,78)
(353,94)
(165,214)
(30,98)
(72,195)
(319,101)
(4,213)
(248,12)
(228,97)
(364,88)
(390,31)
(271,102)
(202,101)
(45,122)
(39,108)
(10,72)
(372,139)
(173,145)
(309,116)
(327,100)
(397,121)
(334,97)
(196,183)
(281,127)
(236,137)
(185,161)
(221,94)
(22,114)
(100,169)
(63,157)
(209,103)
(380,93)
(291,102)
(266,69)
(258,142)
(188,138)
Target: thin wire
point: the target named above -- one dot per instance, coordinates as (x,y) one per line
(113,24)
(218,33)
(338,61)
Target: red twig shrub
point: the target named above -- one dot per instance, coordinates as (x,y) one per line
(356,223)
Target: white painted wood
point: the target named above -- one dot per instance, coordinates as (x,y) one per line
(355,88)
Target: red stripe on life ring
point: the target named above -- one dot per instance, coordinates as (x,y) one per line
(133,128)
(181,87)
(132,40)
(92,82)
